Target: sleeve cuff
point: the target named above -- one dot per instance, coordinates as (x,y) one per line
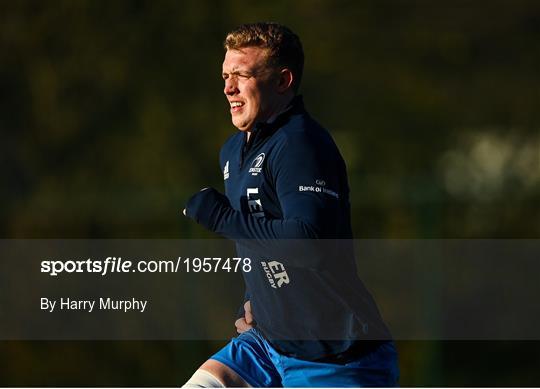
(205,207)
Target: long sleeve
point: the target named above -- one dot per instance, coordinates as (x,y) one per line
(307,193)
(307,177)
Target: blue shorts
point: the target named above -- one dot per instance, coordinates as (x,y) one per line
(260,365)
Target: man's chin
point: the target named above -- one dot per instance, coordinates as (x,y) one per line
(240,125)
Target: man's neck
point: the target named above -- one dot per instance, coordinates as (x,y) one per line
(280,109)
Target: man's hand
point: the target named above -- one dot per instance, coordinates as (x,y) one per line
(203,189)
(206,207)
(245,323)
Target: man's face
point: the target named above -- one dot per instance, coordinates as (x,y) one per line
(251,87)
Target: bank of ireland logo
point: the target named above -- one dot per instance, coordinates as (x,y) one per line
(226,171)
(256,165)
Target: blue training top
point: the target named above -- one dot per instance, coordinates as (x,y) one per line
(289,183)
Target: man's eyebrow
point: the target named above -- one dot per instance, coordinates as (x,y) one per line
(235,69)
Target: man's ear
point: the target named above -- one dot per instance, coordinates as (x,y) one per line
(286,79)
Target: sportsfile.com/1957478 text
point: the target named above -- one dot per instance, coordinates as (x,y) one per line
(118,265)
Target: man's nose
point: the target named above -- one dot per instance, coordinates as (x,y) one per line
(230,87)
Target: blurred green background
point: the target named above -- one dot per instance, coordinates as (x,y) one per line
(112,114)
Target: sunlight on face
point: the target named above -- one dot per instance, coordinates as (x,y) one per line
(250,87)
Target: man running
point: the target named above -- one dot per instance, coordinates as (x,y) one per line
(307,319)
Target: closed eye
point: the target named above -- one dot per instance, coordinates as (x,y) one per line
(241,75)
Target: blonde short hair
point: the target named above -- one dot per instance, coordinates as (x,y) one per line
(283,46)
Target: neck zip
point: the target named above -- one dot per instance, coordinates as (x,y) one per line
(261,130)
(248,144)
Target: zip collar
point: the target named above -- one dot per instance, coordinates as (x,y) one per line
(262,131)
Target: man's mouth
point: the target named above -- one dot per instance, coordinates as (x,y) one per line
(236,106)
